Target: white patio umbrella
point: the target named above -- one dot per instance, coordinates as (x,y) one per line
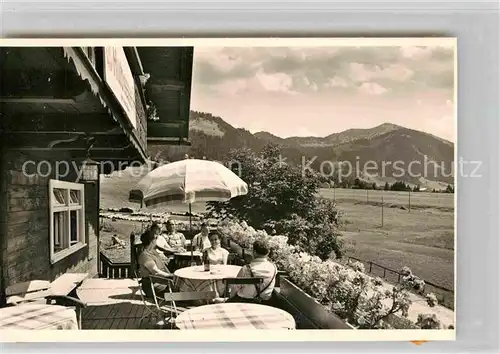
(188,181)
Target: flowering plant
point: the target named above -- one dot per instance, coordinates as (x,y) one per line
(428,321)
(345,290)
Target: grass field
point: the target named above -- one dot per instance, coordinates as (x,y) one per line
(422,238)
(417,200)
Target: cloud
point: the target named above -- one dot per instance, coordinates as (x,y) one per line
(371,88)
(416,53)
(363,73)
(337,81)
(214,65)
(231,88)
(277,82)
(318,69)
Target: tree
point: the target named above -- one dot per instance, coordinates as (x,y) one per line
(386,186)
(283,198)
(449,189)
(399,186)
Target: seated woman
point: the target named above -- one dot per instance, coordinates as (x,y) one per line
(152,263)
(216,254)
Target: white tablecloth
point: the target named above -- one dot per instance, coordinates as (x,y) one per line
(37,316)
(235,316)
(196,279)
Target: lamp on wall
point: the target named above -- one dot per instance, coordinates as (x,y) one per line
(90,168)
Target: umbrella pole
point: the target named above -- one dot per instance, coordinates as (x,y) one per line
(190,228)
(191,231)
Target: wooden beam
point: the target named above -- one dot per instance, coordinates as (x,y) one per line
(168,141)
(172,124)
(159,85)
(64,141)
(134,60)
(56,122)
(115,131)
(89,71)
(3,225)
(160,130)
(32,148)
(44,99)
(39,83)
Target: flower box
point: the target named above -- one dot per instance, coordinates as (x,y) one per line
(315,313)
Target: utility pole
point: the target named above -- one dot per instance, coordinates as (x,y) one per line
(382,211)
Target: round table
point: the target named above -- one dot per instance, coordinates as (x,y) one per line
(235,316)
(37,316)
(197,279)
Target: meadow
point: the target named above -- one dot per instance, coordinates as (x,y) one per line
(417,200)
(421,237)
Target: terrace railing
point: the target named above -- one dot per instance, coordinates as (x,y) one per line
(113,270)
(445,296)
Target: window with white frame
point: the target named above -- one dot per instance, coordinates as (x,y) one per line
(67,218)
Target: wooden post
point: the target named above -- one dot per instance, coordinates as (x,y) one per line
(334,193)
(382,211)
(370,270)
(98,233)
(133,259)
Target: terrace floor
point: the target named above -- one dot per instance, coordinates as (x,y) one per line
(113,304)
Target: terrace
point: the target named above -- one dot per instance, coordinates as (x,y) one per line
(113,304)
(308,313)
(114,301)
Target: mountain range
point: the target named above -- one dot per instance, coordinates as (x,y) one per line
(385,153)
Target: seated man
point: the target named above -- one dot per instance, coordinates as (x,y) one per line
(175,241)
(152,263)
(201,241)
(259,267)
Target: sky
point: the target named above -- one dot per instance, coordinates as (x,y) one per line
(317,91)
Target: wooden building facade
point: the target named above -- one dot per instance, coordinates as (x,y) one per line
(60,109)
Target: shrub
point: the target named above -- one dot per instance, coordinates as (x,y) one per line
(428,321)
(106,226)
(345,290)
(282,199)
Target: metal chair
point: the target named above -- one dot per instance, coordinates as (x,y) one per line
(40,291)
(185,296)
(256,281)
(152,303)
